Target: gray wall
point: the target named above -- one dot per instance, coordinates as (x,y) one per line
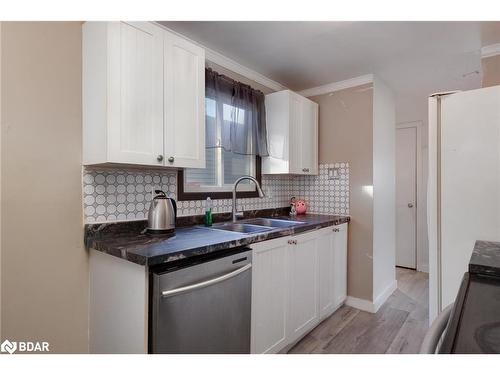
(346,133)
(44,264)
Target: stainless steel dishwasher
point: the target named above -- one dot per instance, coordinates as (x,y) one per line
(203,307)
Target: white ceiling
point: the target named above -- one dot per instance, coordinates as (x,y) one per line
(414,58)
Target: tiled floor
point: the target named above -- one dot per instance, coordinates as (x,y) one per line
(398,327)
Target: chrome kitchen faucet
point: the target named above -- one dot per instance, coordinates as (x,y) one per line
(237,214)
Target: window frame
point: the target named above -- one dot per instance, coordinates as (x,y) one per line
(183,195)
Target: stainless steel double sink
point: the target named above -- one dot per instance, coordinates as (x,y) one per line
(256,225)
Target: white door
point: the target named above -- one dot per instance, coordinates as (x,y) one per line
(184,103)
(269,296)
(406,197)
(302,286)
(135,93)
(340,264)
(326,272)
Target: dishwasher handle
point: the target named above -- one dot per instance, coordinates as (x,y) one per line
(204,284)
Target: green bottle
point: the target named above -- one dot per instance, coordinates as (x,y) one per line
(208,212)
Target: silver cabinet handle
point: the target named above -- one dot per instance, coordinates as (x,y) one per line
(159,157)
(171,159)
(204,284)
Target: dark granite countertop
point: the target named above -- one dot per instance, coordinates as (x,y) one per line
(485,259)
(474,325)
(129,241)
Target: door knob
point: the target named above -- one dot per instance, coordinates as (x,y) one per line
(410,205)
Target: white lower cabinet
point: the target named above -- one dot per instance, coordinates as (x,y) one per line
(302,284)
(340,265)
(297,281)
(326,274)
(269,289)
(332,268)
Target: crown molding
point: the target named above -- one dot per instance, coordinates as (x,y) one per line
(226,62)
(236,67)
(336,86)
(491,50)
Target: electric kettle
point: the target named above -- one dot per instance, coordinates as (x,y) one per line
(162,214)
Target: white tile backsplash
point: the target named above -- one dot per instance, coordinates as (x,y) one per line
(112,194)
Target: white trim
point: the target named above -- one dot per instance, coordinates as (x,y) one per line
(382,297)
(336,86)
(423,268)
(360,304)
(236,67)
(491,50)
(369,306)
(226,62)
(420,193)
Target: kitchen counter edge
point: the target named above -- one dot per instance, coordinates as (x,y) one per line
(128,241)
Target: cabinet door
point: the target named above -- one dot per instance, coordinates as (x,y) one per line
(184,103)
(303,285)
(294,142)
(269,288)
(309,137)
(326,272)
(340,263)
(135,93)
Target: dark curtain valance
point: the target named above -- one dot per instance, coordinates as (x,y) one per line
(235,116)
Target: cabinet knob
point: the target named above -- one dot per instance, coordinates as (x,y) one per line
(336,229)
(305,169)
(159,158)
(171,159)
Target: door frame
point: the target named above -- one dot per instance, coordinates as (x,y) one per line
(420,190)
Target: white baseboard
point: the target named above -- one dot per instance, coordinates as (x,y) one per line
(423,268)
(360,304)
(369,306)
(386,293)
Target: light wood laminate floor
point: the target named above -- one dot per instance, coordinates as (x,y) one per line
(398,326)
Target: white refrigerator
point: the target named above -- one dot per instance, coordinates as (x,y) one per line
(463,191)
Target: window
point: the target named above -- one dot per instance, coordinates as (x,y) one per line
(233,120)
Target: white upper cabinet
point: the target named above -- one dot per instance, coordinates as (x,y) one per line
(292,132)
(143,92)
(184,103)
